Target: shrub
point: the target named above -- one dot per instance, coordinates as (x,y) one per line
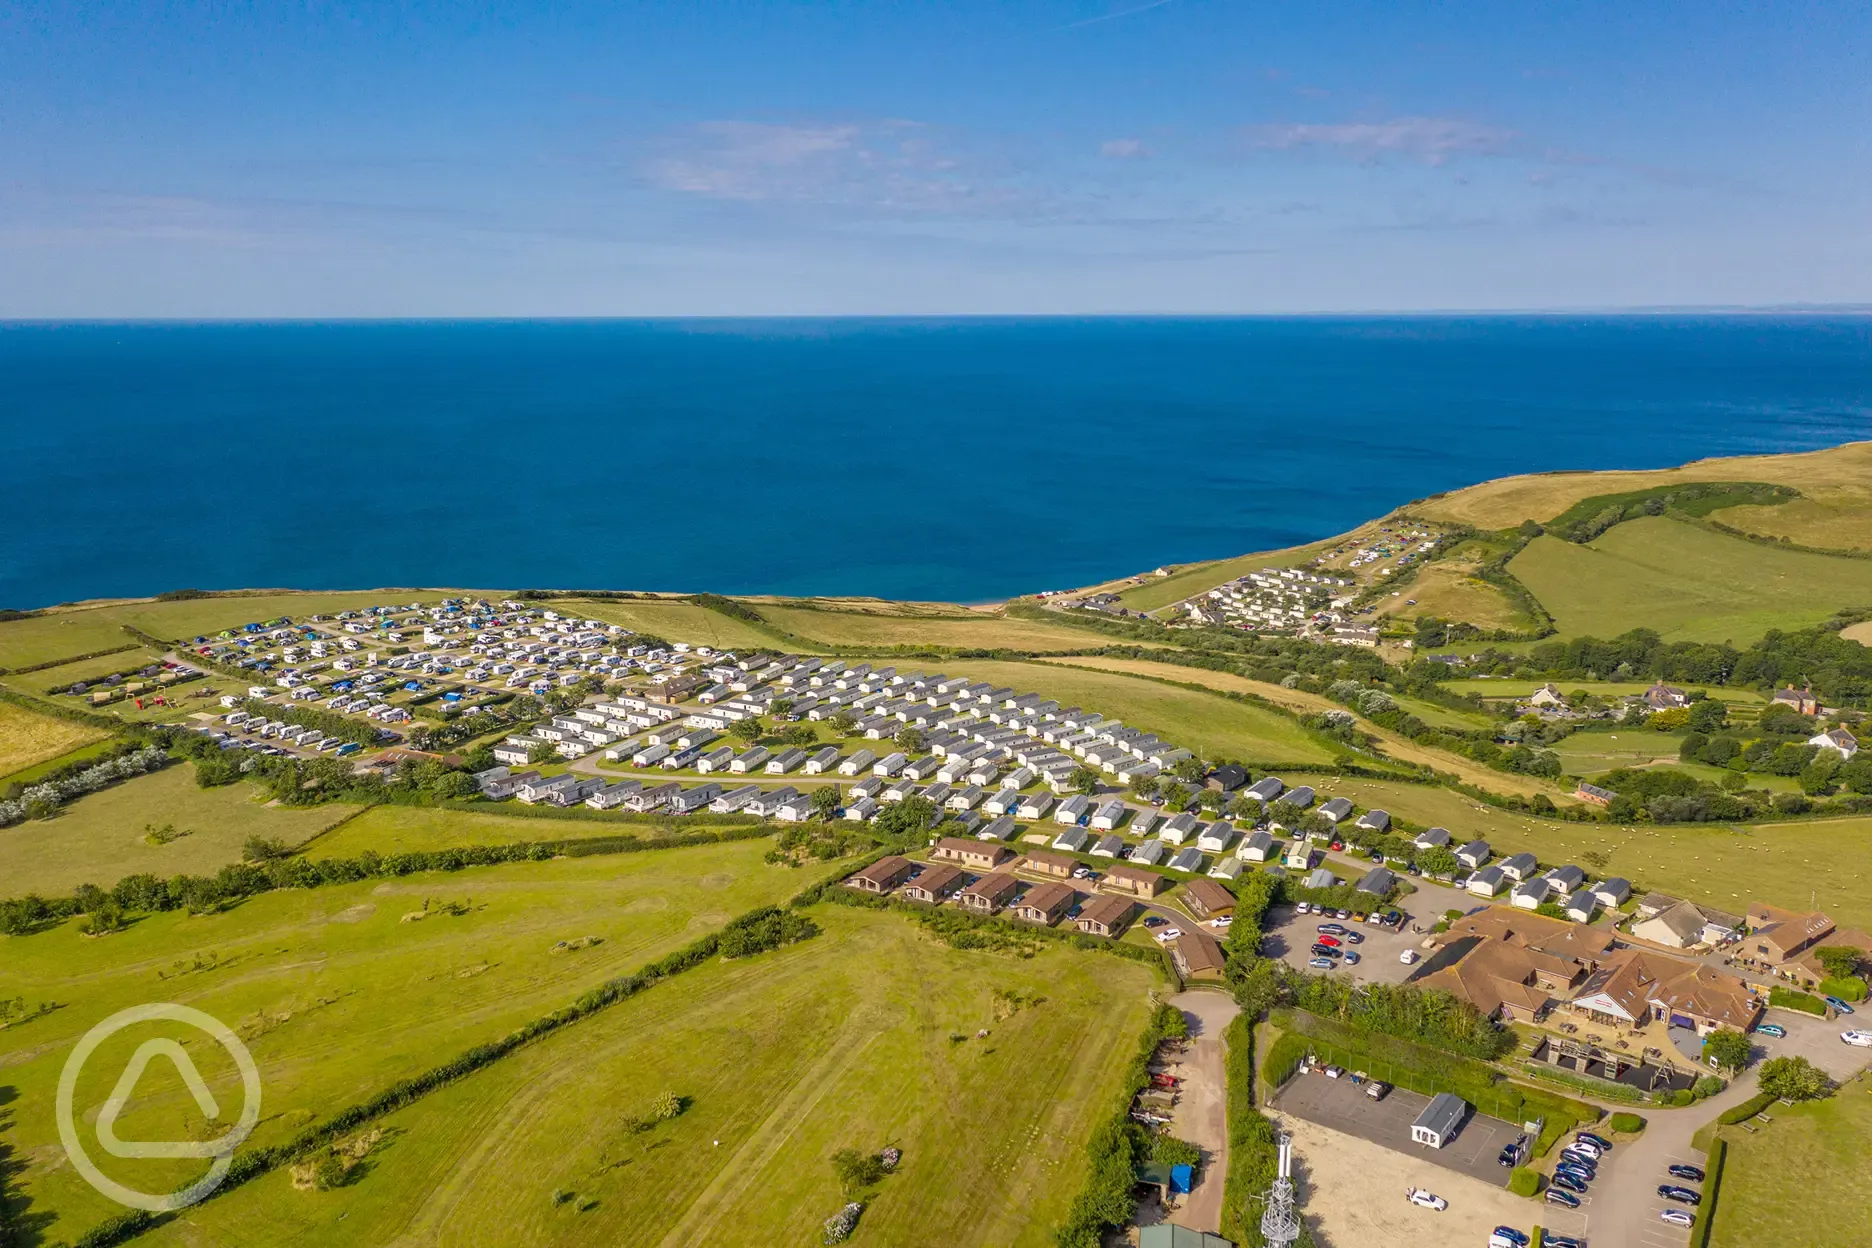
(1708,1085)
(857,1170)
(1681,1098)
(1712,1186)
(1626,1124)
(1848,988)
(1524,1182)
(1794,999)
(1167,1150)
(1747,1109)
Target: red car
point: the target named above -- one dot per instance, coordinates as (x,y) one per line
(1331,942)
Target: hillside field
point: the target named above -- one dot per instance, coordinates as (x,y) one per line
(101,837)
(27,738)
(1686,583)
(338,994)
(1449,590)
(979,631)
(1213,727)
(842,1041)
(403,829)
(672,620)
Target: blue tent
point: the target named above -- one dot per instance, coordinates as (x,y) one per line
(1180,1178)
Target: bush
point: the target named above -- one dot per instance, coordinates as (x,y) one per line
(1747,1109)
(1169,1151)
(1626,1124)
(1794,999)
(1524,1182)
(1706,1216)
(1681,1098)
(1708,1085)
(857,1170)
(1850,988)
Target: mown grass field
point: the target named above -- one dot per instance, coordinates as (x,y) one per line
(1838,522)
(1304,703)
(842,1041)
(64,676)
(1840,472)
(100,838)
(1800,1181)
(402,829)
(1861,633)
(980,631)
(337,996)
(1211,726)
(1493,690)
(673,620)
(1686,583)
(27,738)
(73,631)
(1786,864)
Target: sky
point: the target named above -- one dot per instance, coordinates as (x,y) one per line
(313,159)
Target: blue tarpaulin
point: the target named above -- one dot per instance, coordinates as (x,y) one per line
(1181,1177)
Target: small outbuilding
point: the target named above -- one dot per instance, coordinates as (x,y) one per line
(1440,1120)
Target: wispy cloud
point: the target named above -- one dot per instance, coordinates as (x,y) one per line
(1123,149)
(1431,140)
(1112,17)
(890,167)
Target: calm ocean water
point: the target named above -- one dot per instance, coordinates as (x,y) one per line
(953,459)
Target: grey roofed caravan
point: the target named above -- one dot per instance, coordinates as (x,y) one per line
(1437,1124)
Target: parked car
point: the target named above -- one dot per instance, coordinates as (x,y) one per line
(1333,1072)
(1425,1200)
(1569,1183)
(1583,1145)
(1507,1237)
(1330,929)
(1858,1039)
(1682,1195)
(1551,1240)
(1677,1217)
(1321,964)
(1839,1005)
(1323,951)
(1408,957)
(1355,938)
(1692,1173)
(1351,958)
(1598,1141)
(1771,1029)
(1377,1089)
(1563,1198)
(1303,907)
(1330,942)
(1155,921)
(1574,1173)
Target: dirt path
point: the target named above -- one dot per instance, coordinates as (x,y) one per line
(1201,1114)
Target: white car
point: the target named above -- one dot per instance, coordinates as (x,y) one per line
(1677,1217)
(1167,934)
(1426,1200)
(1222,920)
(1858,1039)
(1408,957)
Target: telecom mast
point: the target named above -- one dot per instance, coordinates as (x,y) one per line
(1280,1223)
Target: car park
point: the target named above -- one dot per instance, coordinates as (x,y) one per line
(1677,1217)
(1858,1039)
(1682,1195)
(1563,1198)
(1771,1029)
(1692,1173)
(1425,1200)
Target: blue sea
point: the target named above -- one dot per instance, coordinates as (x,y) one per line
(940,459)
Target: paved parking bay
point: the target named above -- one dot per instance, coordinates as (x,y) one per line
(1343,1106)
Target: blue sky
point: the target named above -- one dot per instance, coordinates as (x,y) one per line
(323,159)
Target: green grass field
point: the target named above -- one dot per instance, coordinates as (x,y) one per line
(99,838)
(845,629)
(1686,583)
(35,684)
(400,829)
(842,1041)
(337,996)
(1799,1182)
(1788,864)
(674,621)
(1214,727)
(1493,690)
(1449,590)
(27,738)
